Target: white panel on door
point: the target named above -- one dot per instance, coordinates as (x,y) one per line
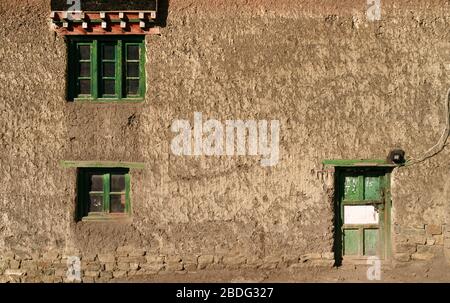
(360,214)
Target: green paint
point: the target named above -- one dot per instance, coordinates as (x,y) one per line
(142,85)
(372,188)
(386,237)
(128,194)
(360,202)
(358,162)
(109,101)
(94,70)
(361,241)
(101,164)
(364,186)
(106,193)
(119,73)
(370,242)
(140,61)
(351,244)
(97,75)
(107,218)
(351,189)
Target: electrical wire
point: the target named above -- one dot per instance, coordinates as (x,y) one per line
(440,145)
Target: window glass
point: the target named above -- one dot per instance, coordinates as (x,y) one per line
(95,203)
(132,87)
(85,69)
(84,52)
(109,69)
(117,183)
(117,203)
(109,87)
(109,52)
(102,192)
(84,87)
(133,69)
(96,182)
(133,52)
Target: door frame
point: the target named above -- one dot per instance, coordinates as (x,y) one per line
(384,225)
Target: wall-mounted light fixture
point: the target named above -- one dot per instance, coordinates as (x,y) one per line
(396,156)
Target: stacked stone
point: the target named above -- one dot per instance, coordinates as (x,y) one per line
(421,242)
(128,262)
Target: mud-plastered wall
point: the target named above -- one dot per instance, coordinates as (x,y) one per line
(342,87)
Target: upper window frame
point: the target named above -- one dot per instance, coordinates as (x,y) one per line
(95,42)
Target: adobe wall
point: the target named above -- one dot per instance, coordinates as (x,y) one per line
(341,87)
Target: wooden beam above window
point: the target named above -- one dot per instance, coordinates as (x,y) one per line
(101,164)
(358,162)
(105,22)
(105,5)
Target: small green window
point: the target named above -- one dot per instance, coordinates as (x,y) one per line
(106,68)
(103,193)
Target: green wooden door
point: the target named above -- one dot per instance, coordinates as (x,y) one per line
(363,214)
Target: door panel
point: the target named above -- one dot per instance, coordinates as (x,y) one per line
(351,242)
(372,188)
(371,241)
(351,188)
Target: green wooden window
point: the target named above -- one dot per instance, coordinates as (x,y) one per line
(106,68)
(103,193)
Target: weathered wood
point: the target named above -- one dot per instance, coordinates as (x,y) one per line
(108,5)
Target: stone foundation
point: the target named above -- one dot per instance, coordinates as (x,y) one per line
(419,242)
(128,262)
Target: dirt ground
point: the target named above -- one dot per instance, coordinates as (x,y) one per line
(429,272)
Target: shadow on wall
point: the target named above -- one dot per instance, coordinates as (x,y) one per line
(115,5)
(163,12)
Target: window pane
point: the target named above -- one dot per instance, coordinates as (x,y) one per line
(109,69)
(360,214)
(95,203)
(84,52)
(132,87)
(109,87)
(85,69)
(133,69)
(85,87)
(96,183)
(117,183)
(109,52)
(133,52)
(117,203)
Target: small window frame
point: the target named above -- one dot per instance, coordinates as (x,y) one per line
(96,68)
(84,191)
